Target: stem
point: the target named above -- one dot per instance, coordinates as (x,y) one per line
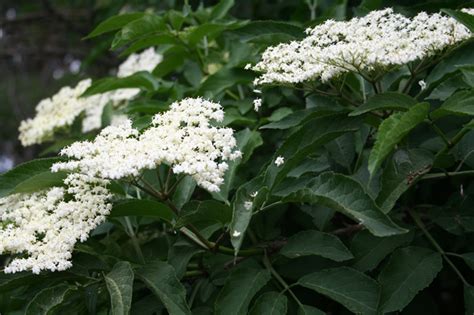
(283,283)
(447,174)
(134,239)
(439,132)
(420,224)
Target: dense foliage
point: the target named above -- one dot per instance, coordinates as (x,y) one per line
(329,173)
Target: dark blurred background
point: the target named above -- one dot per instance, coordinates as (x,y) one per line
(41,46)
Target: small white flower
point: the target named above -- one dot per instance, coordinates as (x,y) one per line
(248,205)
(257,103)
(257,91)
(422,84)
(236,234)
(248,66)
(279,161)
(254,194)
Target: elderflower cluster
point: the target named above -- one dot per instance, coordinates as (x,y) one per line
(377,42)
(41,228)
(62,109)
(182,137)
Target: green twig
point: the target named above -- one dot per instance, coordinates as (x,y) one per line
(421,225)
(286,287)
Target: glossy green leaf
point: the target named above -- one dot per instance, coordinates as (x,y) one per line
(142,208)
(460,103)
(119,283)
(221,9)
(151,41)
(142,80)
(393,130)
(247,142)
(408,271)
(347,196)
(205,211)
(270,303)
(31,176)
(47,300)
(316,243)
(224,79)
(401,172)
(114,23)
(242,209)
(370,250)
(139,28)
(184,191)
(161,279)
(313,134)
(353,289)
(385,101)
(239,289)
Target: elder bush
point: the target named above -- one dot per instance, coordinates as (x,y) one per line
(250,167)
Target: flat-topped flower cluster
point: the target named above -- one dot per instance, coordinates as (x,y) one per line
(182,137)
(377,42)
(41,228)
(61,110)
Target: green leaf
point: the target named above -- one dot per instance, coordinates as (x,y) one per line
(400,174)
(461,56)
(179,256)
(142,80)
(242,213)
(114,23)
(205,211)
(316,243)
(464,18)
(139,28)
(161,279)
(342,150)
(221,9)
(469,259)
(239,289)
(119,283)
(247,142)
(173,58)
(460,103)
(151,41)
(184,191)
(31,176)
(392,130)
(256,29)
(469,299)
(408,271)
(346,195)
(313,134)
(385,101)
(289,121)
(224,79)
(270,303)
(45,301)
(142,208)
(353,289)
(211,30)
(446,88)
(309,310)
(370,250)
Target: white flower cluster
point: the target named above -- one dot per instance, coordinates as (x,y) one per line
(41,228)
(377,42)
(62,109)
(182,137)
